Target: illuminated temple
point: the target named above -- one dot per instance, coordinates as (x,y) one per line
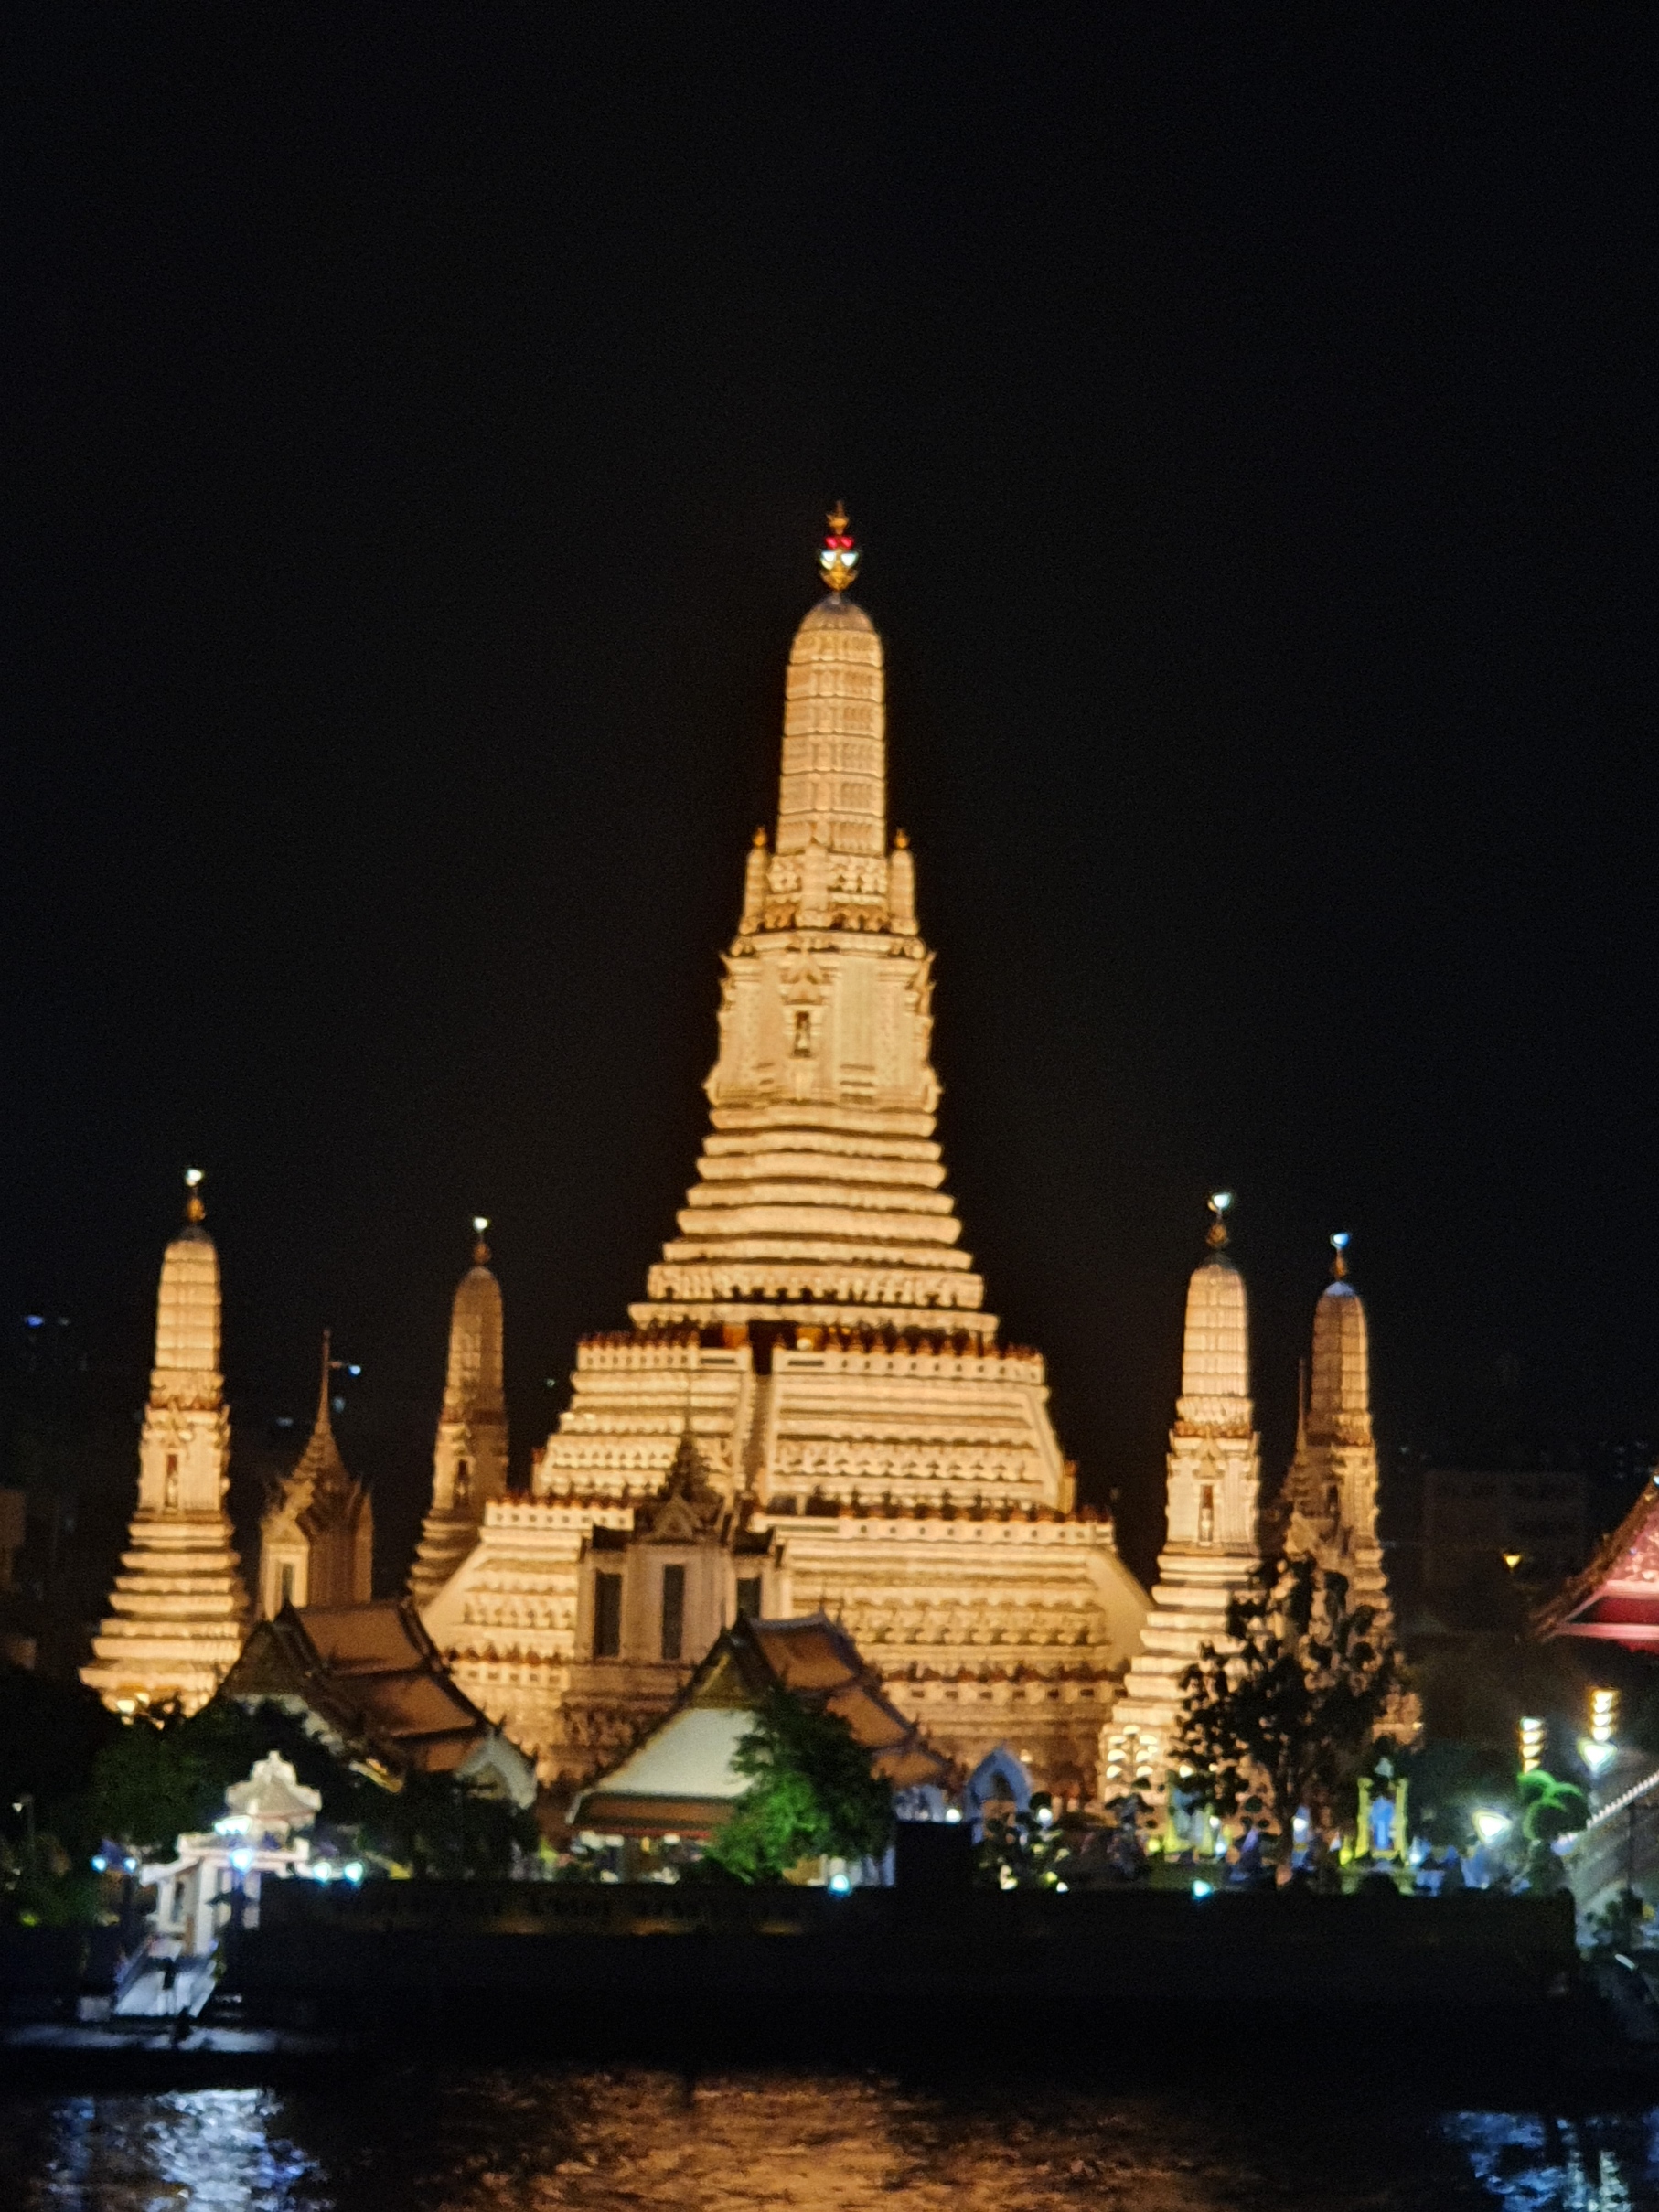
(812,1409)
(178,1611)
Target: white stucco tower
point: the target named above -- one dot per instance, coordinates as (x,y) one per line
(1331,1492)
(469,1458)
(817,1326)
(178,1611)
(1211,1546)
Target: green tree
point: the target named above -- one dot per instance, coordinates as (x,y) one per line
(1292,1709)
(810,1790)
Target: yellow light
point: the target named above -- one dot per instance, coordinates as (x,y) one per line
(1603,1715)
(480,1222)
(1492,1825)
(1532,1743)
(1513,1559)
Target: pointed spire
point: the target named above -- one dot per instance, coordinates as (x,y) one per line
(1339,1395)
(1215,1358)
(838,561)
(324,1426)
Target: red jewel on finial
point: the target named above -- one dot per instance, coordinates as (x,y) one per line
(838,561)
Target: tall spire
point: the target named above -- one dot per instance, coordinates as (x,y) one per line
(470,1454)
(1330,1498)
(317,1537)
(1211,1543)
(179,1609)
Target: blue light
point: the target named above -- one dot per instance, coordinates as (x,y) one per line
(354,1371)
(34,1320)
(1203,1889)
(840,1885)
(101,1864)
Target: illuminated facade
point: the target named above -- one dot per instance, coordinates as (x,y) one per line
(1330,1495)
(179,1610)
(469,1459)
(865,1444)
(1212,1548)
(316,1538)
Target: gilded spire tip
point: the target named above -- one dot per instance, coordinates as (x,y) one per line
(838,561)
(1339,1244)
(1219,1202)
(195,1207)
(480,1251)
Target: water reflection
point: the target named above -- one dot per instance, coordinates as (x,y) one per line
(423,2139)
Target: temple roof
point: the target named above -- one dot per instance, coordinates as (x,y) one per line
(681,1780)
(322,1492)
(372,1679)
(1615,1599)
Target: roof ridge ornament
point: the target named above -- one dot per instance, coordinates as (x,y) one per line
(194,1205)
(1219,1201)
(839,558)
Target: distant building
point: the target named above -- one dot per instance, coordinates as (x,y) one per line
(1486,1528)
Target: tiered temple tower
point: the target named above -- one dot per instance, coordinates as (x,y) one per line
(818,1327)
(1211,1543)
(316,1539)
(469,1461)
(178,1611)
(1329,1496)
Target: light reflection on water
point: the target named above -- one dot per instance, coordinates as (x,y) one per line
(499,2140)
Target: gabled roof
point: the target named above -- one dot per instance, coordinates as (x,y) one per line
(1615,1599)
(372,1679)
(681,1780)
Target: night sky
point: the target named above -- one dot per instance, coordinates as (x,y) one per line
(419,424)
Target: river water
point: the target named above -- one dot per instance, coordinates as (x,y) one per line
(528,2139)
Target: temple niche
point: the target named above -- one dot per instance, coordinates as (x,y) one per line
(179,1610)
(817,1337)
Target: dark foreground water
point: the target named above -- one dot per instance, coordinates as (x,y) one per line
(425,2139)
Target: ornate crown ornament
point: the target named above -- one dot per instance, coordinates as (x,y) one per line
(838,562)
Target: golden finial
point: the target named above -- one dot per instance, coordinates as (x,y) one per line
(901,838)
(838,562)
(321,1402)
(1339,1244)
(759,840)
(480,1251)
(1219,1202)
(195,1209)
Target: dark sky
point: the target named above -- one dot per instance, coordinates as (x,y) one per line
(419,421)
